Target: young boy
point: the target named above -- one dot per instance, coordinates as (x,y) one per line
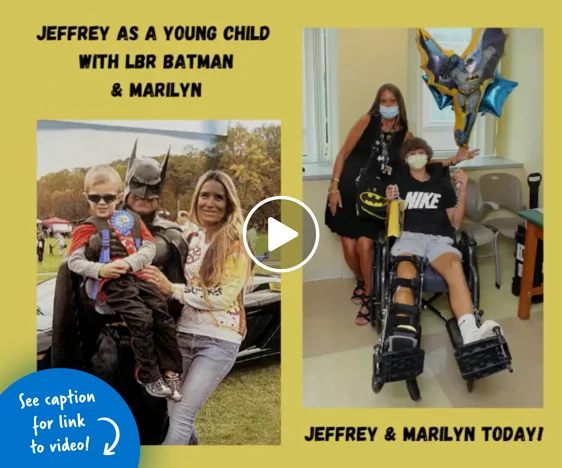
(139,304)
(432,213)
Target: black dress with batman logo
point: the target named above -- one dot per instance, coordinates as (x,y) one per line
(346,223)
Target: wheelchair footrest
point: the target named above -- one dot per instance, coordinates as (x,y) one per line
(398,365)
(482,358)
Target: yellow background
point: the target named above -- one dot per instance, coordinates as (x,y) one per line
(41,80)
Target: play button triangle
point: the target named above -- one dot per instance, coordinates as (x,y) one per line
(278,234)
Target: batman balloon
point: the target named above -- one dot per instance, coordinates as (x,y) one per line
(469,82)
(495,96)
(443,100)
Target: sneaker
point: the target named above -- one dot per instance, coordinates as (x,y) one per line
(486,330)
(157,388)
(174,383)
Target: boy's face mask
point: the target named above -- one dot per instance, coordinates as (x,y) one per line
(417,161)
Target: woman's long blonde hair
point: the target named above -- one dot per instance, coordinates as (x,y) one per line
(228,237)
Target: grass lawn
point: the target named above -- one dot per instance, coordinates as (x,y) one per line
(245,409)
(261,248)
(45,277)
(50,263)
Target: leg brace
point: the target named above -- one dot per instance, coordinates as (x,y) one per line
(404,320)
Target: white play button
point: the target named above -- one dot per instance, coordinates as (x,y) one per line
(278,234)
(268,241)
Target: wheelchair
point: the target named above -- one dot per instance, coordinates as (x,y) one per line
(476,360)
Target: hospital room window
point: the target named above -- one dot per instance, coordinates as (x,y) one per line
(319,111)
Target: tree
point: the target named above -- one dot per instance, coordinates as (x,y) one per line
(251,158)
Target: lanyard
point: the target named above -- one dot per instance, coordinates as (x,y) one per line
(385,142)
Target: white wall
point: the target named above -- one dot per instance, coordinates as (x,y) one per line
(367,58)
(520,134)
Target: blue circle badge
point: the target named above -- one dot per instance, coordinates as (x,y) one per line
(122,221)
(66,418)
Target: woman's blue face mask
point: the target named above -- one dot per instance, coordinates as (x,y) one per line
(388,112)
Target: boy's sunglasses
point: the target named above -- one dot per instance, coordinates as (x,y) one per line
(106,198)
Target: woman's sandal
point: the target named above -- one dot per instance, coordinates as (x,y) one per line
(358,292)
(363,318)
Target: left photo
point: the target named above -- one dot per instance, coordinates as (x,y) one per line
(143,278)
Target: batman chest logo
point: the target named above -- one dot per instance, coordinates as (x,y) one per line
(473,78)
(373,199)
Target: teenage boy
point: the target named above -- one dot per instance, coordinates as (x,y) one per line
(432,213)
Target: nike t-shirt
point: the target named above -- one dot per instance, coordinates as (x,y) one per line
(426,204)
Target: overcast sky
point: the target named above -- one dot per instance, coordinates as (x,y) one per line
(251,124)
(71,144)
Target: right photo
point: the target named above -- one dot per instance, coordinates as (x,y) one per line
(423,161)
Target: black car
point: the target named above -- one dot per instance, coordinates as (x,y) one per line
(263,315)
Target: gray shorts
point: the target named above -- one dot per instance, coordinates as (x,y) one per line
(423,245)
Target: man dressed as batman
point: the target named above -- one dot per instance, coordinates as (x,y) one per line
(95,340)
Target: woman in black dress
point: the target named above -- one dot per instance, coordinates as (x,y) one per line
(384,128)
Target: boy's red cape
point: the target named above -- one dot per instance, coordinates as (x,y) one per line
(81,235)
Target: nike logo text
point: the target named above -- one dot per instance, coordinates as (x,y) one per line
(422,200)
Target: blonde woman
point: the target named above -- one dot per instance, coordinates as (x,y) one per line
(213,322)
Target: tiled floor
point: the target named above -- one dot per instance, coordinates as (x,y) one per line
(337,367)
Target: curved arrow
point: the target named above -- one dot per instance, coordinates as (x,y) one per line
(107,450)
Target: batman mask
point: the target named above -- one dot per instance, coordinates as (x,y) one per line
(145,177)
(472,61)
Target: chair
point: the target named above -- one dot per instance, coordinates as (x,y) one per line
(472,224)
(501,191)
(476,360)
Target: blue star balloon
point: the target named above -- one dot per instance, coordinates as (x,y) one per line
(495,95)
(442,100)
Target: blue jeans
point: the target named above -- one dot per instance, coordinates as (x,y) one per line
(206,362)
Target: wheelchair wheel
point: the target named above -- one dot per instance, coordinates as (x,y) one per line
(377,382)
(382,270)
(470,385)
(373,298)
(474,283)
(375,309)
(413,390)
(378,326)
